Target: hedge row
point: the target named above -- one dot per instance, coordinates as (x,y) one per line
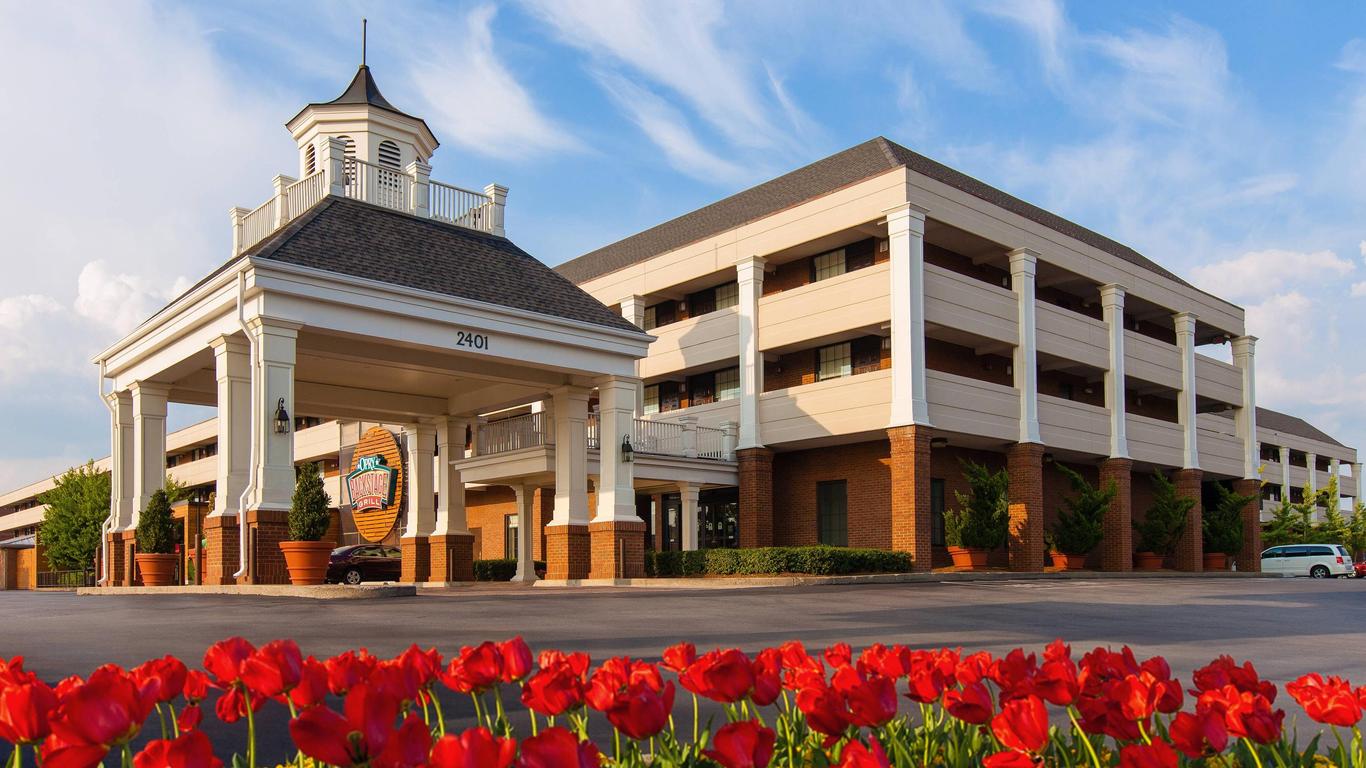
(500,570)
(767,561)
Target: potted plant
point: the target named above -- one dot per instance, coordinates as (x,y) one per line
(1222,527)
(156,558)
(981,522)
(1080,525)
(306,555)
(1161,528)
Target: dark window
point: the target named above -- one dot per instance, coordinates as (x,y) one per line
(1273,553)
(665,313)
(510,537)
(670,396)
(1065,389)
(1317,551)
(702,389)
(832,512)
(718,517)
(937,511)
(1296,552)
(702,302)
(671,515)
(859,255)
(867,354)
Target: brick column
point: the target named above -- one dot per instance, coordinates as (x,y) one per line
(756,496)
(617,549)
(1024,462)
(266,529)
(910,465)
(1189,550)
(1117,544)
(451,557)
(567,554)
(1250,556)
(417,559)
(117,568)
(127,546)
(221,537)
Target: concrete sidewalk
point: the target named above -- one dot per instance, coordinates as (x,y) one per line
(749,582)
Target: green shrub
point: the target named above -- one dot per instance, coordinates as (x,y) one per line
(308,513)
(1161,528)
(1222,524)
(982,520)
(768,561)
(1080,525)
(156,529)
(502,569)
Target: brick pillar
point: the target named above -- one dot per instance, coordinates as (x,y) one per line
(451,558)
(617,550)
(1117,544)
(417,559)
(910,465)
(128,545)
(219,560)
(116,564)
(266,528)
(567,552)
(1250,556)
(1024,462)
(1189,550)
(756,496)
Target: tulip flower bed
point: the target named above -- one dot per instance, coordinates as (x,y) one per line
(784,706)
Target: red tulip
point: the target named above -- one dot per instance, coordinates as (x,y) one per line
(354,738)
(1022,724)
(346,670)
(1011,759)
(167,675)
(641,711)
(554,690)
(1224,671)
(1057,683)
(768,677)
(725,676)
(615,675)
(190,750)
(232,705)
(106,710)
(1159,754)
(476,670)
(273,669)
(893,662)
(929,674)
(190,717)
(225,658)
(558,748)
(839,655)
(475,748)
(856,755)
(312,688)
(516,659)
(971,703)
(743,744)
(1014,674)
(1331,702)
(679,657)
(196,686)
(974,668)
(12,672)
(25,709)
(1199,734)
(825,710)
(408,747)
(871,700)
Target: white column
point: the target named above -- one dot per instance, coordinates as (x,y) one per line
(688,493)
(1311,463)
(281,182)
(421,445)
(1285,472)
(689,436)
(1334,469)
(332,160)
(273,378)
(1356,482)
(1185,402)
(149,443)
(633,309)
(1023,264)
(616,485)
(499,195)
(121,460)
(749,273)
(421,174)
(571,456)
(906,244)
(450,489)
(1112,308)
(526,531)
(232,366)
(235,216)
(1244,357)
(730,431)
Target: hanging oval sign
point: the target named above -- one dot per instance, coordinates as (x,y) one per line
(374,486)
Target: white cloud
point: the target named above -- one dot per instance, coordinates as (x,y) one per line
(937,31)
(120,301)
(1359,290)
(668,129)
(1353,56)
(32,342)
(1169,76)
(1045,21)
(1256,273)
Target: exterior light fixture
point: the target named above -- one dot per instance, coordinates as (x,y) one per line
(281,418)
(939,442)
(628,454)
(1048,458)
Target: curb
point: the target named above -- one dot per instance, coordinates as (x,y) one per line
(320,592)
(756,582)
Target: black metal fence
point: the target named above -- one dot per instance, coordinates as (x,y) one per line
(65,579)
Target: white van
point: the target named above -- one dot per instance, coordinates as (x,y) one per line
(1318,561)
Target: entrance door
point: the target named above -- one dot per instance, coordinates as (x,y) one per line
(671,515)
(718,516)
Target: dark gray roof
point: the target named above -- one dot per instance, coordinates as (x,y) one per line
(822,177)
(362,240)
(363,90)
(1292,425)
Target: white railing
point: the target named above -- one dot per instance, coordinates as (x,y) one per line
(511,434)
(258,225)
(385,187)
(304,194)
(454,205)
(658,437)
(711,443)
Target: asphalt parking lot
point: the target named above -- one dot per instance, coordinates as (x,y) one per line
(1286,626)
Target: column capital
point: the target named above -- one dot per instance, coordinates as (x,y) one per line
(1244,346)
(275,326)
(572,393)
(229,342)
(1112,295)
(139,390)
(1184,322)
(418,169)
(751,267)
(906,216)
(1023,261)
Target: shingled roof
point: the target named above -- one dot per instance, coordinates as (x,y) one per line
(1292,425)
(822,177)
(365,241)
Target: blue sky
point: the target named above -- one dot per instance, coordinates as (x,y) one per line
(1225,140)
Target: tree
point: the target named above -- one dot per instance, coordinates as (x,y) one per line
(1334,528)
(1081,520)
(1289,524)
(1223,523)
(982,518)
(1356,530)
(175,490)
(156,528)
(77,507)
(1161,528)
(308,509)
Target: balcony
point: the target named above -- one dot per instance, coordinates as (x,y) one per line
(857,299)
(965,303)
(682,439)
(700,340)
(1068,335)
(1074,426)
(1221,450)
(844,406)
(1151,360)
(1218,380)
(1154,441)
(974,407)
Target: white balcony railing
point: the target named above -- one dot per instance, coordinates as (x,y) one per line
(304,194)
(385,187)
(454,205)
(512,434)
(649,437)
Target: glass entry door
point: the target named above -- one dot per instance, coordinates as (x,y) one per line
(671,521)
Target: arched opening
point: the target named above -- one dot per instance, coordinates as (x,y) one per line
(389,155)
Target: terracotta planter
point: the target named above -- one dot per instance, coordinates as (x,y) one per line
(1148,561)
(1069,562)
(156,570)
(307,561)
(969,557)
(1216,561)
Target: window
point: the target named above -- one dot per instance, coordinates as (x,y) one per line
(702,389)
(670,396)
(661,314)
(728,384)
(718,517)
(651,318)
(833,362)
(828,265)
(867,354)
(832,512)
(727,295)
(651,404)
(937,511)
(310,160)
(389,155)
(510,537)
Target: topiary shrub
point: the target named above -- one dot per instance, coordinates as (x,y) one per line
(1080,525)
(308,509)
(156,529)
(982,520)
(501,569)
(1222,524)
(772,561)
(1161,528)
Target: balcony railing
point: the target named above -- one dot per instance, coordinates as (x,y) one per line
(649,437)
(512,434)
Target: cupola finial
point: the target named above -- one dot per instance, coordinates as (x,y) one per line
(362,41)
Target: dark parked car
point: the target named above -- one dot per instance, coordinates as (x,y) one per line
(364,562)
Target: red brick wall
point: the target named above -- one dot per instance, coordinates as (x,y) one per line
(1250,557)
(1188,555)
(867,469)
(909,509)
(220,560)
(1025,464)
(1116,549)
(485,513)
(955,262)
(756,497)
(617,550)
(568,552)
(267,528)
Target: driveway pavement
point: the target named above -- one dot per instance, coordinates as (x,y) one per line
(1286,626)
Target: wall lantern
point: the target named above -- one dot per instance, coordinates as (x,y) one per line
(939,442)
(281,418)
(628,454)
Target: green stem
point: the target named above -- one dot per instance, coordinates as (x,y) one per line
(1091,750)
(1252,750)
(694,718)
(478,710)
(440,716)
(1143,732)
(532,714)
(15,758)
(251,731)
